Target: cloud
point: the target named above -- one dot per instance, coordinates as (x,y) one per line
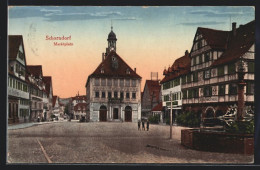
(210,13)
(202,23)
(125,19)
(50,10)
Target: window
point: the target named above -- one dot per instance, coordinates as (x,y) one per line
(183,80)
(166,98)
(127,82)
(189,94)
(231,68)
(207,91)
(109,94)
(97,94)
(188,78)
(195,93)
(184,94)
(232,89)
(17,69)
(251,67)
(177,82)
(133,83)
(115,82)
(206,74)
(250,88)
(103,82)
(115,94)
(193,62)
(221,89)
(121,82)
(200,59)
(199,44)
(96,81)
(109,82)
(195,76)
(127,95)
(221,71)
(121,95)
(103,94)
(133,95)
(207,57)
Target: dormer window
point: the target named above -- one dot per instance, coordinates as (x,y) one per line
(127,71)
(102,70)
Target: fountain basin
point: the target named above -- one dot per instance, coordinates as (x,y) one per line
(215,140)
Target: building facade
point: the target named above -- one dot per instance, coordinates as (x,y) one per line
(18,86)
(79,106)
(38,95)
(222,72)
(49,92)
(172,85)
(151,97)
(113,90)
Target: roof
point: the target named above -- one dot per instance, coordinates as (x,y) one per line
(154,88)
(54,98)
(83,97)
(158,107)
(35,70)
(80,106)
(216,39)
(14,43)
(180,67)
(112,72)
(239,44)
(48,81)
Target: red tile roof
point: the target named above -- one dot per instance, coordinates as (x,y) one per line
(48,81)
(35,70)
(109,71)
(54,98)
(154,88)
(158,107)
(80,106)
(83,97)
(216,39)
(180,67)
(239,44)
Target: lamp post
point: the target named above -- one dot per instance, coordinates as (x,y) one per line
(171,116)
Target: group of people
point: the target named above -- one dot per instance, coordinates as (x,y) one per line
(143,127)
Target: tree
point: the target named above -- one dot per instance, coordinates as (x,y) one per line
(66,110)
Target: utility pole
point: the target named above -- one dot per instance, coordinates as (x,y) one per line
(171,116)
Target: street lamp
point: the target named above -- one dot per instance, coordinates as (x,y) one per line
(171,116)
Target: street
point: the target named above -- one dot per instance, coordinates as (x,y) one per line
(106,142)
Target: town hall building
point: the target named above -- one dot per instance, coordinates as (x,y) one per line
(113,89)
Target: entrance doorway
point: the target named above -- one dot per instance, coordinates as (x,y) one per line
(128,114)
(115,113)
(103,114)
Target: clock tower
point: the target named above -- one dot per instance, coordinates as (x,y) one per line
(111,40)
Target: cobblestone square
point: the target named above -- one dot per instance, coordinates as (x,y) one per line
(106,142)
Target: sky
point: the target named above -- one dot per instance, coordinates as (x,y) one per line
(148,38)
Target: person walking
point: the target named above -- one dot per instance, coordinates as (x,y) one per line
(147,125)
(139,124)
(143,128)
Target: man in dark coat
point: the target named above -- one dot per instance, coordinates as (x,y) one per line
(147,125)
(143,128)
(139,124)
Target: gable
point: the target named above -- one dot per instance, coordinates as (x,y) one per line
(113,66)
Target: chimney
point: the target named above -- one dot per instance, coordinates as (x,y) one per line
(234,28)
(186,52)
(103,57)
(135,70)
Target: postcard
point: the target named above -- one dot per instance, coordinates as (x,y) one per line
(131,84)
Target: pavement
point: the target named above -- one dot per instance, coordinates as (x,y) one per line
(30,124)
(107,142)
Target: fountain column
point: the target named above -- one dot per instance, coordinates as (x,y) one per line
(241,91)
